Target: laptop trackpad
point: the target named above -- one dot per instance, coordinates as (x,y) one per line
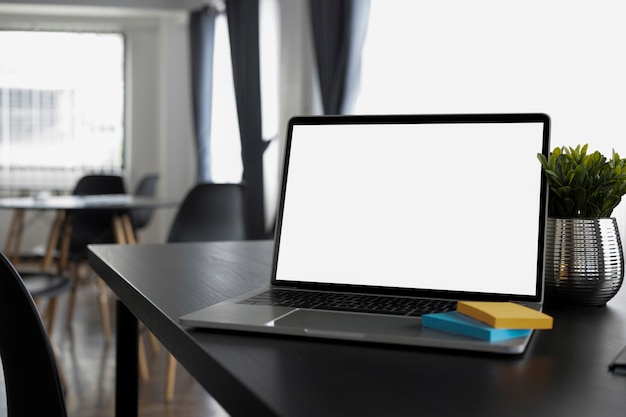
(351,325)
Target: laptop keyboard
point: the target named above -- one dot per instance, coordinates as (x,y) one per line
(401,306)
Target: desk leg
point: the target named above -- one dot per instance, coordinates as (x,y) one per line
(126,369)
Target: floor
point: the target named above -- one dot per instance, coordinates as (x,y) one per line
(89,367)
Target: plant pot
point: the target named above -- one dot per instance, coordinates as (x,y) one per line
(584,263)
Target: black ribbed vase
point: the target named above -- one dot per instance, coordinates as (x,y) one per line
(584,262)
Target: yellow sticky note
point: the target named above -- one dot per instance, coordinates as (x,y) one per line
(505,315)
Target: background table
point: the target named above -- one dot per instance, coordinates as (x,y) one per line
(118,204)
(563,373)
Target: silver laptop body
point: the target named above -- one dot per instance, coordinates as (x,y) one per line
(446,207)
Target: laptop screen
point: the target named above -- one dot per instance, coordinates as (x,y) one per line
(445,205)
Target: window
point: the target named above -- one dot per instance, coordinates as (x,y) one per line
(560,57)
(226,165)
(61,107)
(269,50)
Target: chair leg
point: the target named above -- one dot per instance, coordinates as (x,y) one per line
(62,377)
(104,309)
(171,378)
(154,342)
(48,319)
(143,361)
(50,314)
(103,301)
(72,297)
(106,326)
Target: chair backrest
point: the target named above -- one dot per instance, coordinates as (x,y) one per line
(93,225)
(210,212)
(99,184)
(146,187)
(31,377)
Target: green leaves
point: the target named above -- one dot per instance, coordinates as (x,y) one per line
(582,185)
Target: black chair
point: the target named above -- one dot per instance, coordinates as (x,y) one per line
(146,187)
(48,286)
(31,376)
(92,226)
(42,283)
(209,212)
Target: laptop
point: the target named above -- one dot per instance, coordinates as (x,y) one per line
(396,210)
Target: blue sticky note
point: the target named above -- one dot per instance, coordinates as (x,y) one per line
(455,322)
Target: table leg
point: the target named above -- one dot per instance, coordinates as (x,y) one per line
(14,236)
(126,371)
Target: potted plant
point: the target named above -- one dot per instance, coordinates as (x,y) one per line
(584,261)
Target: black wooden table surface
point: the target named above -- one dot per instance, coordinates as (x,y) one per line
(563,373)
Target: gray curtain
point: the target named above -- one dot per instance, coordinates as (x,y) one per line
(201,39)
(339,28)
(243,27)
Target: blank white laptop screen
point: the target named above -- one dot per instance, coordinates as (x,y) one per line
(446,207)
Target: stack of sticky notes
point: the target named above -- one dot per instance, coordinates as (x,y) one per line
(491,321)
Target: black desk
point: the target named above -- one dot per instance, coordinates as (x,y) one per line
(564,372)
